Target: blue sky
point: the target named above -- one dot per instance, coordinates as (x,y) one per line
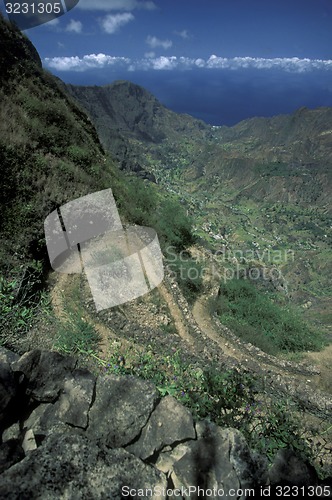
(219,60)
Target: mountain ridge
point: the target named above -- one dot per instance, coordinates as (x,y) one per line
(296,145)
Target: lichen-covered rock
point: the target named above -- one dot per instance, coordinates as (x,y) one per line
(73,467)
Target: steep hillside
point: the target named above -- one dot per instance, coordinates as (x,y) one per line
(49,150)
(135,113)
(293,150)
(50,154)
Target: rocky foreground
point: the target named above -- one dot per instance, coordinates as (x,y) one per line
(69,434)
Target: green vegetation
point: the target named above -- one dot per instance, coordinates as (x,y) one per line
(22,302)
(276,169)
(144,204)
(257,319)
(76,336)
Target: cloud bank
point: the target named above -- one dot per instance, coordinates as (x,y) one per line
(85,63)
(288,64)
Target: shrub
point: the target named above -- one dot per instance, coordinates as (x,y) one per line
(173,225)
(188,273)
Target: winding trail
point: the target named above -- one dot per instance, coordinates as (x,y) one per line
(177,315)
(203,320)
(307,381)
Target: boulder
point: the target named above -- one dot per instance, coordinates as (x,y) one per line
(170,423)
(44,373)
(76,399)
(218,460)
(121,409)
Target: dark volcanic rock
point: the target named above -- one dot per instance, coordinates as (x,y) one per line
(8,387)
(219,458)
(121,409)
(77,437)
(45,373)
(71,408)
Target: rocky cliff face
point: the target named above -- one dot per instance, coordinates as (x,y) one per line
(69,434)
(128,118)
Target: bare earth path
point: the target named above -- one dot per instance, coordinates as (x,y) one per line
(295,378)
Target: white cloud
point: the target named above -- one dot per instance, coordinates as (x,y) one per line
(84,63)
(200,63)
(289,64)
(113,22)
(155,42)
(161,63)
(151,62)
(183,34)
(109,5)
(74,26)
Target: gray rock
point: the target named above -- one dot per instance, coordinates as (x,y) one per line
(29,442)
(12,432)
(240,457)
(76,399)
(44,373)
(71,409)
(73,467)
(7,356)
(121,409)
(170,423)
(168,457)
(215,461)
(43,421)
